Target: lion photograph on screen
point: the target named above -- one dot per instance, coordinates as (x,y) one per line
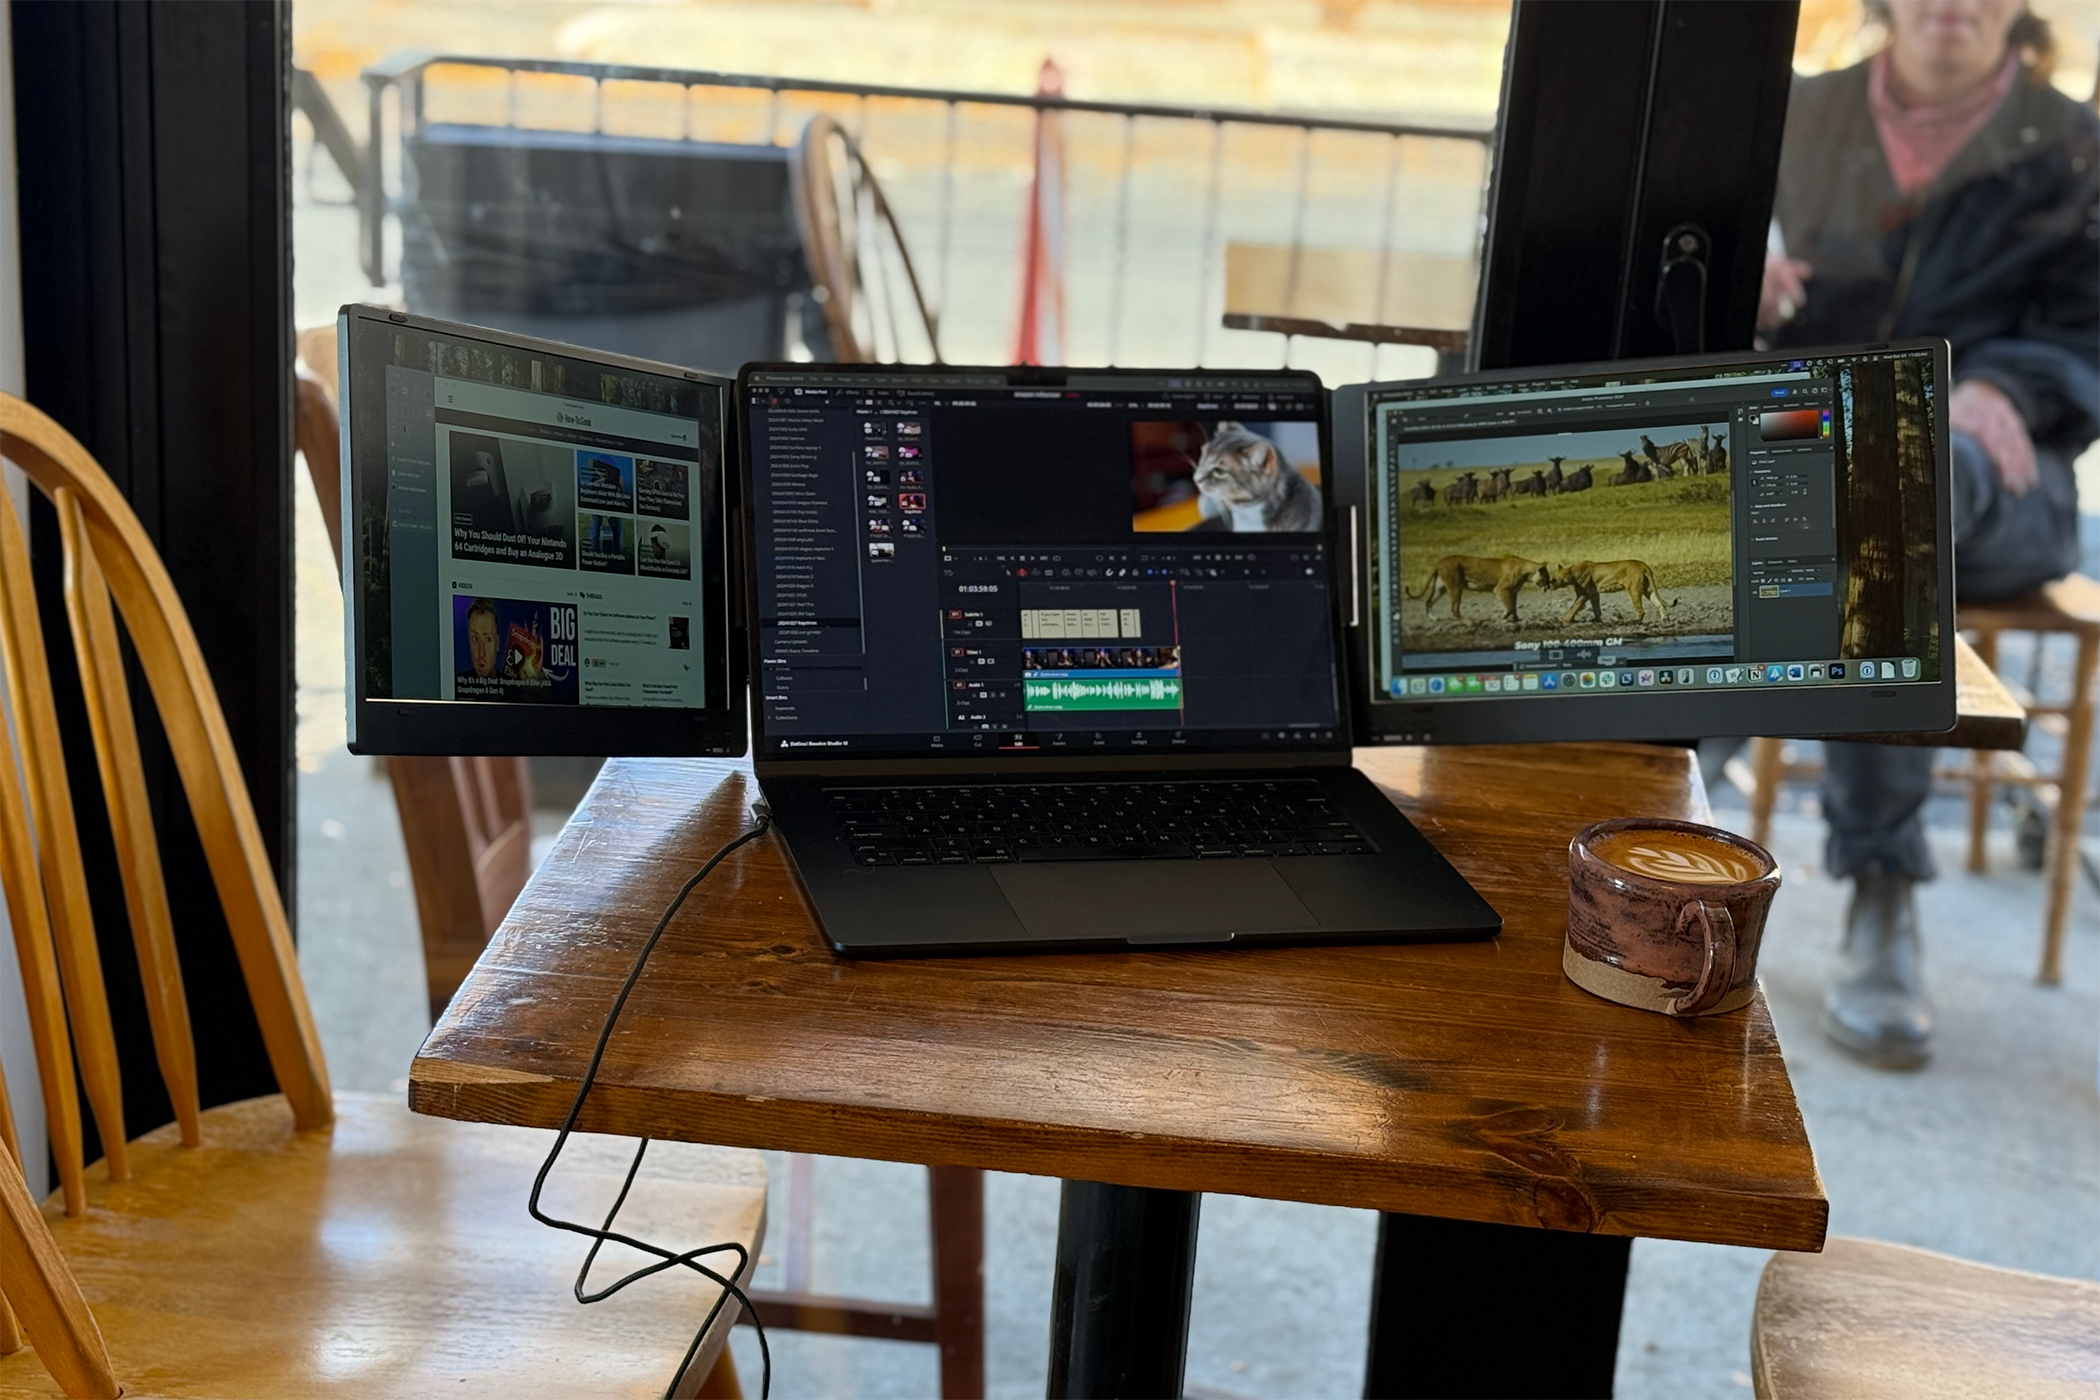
(1618,533)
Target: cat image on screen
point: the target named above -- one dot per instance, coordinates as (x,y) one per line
(1245,481)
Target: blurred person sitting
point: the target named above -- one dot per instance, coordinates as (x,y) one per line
(1943,188)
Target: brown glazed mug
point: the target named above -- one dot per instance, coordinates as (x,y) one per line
(1667,915)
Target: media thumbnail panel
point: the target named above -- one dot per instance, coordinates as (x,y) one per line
(513,500)
(514,650)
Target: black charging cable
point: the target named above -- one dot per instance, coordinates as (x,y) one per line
(598,1236)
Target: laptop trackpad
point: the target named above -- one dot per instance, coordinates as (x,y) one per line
(1140,899)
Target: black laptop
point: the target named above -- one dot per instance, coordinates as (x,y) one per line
(1050,659)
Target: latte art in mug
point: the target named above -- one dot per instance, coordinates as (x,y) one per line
(1664,854)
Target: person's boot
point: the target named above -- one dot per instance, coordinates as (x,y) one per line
(1877,1008)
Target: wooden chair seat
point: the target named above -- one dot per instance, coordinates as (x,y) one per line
(2067,605)
(389,1254)
(1995,715)
(1870,1321)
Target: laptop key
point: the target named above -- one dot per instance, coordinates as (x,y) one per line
(1153,820)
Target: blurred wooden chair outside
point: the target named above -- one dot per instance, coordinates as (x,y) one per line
(302,1243)
(466,823)
(1869,1321)
(861,273)
(2070,606)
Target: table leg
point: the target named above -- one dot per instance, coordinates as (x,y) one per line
(1461,1309)
(1119,1315)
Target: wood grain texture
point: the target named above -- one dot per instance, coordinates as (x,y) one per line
(1471,1080)
(389,1255)
(41,1289)
(466,824)
(314,430)
(114,730)
(199,740)
(29,919)
(1872,1321)
(35,716)
(10,1330)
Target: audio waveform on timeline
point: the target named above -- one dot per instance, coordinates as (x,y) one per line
(1159,693)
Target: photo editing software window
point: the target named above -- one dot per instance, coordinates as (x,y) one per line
(1770,525)
(953,563)
(533,539)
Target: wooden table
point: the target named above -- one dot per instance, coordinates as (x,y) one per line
(1468,1090)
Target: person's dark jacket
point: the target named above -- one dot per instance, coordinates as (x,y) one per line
(2000,255)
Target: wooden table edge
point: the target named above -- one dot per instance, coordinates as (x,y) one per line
(1987,714)
(489,1094)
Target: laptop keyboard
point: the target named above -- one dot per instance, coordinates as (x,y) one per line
(1091,821)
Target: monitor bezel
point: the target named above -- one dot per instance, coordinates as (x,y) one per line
(1912,707)
(930,762)
(470,727)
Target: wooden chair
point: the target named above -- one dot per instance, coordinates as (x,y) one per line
(2068,606)
(1870,1321)
(856,253)
(466,822)
(303,1243)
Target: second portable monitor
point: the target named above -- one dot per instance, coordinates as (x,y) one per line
(1751,544)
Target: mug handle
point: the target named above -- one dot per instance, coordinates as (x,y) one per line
(1717,974)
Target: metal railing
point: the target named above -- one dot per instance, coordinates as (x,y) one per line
(1157,193)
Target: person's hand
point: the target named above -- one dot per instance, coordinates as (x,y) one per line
(1785,290)
(1981,409)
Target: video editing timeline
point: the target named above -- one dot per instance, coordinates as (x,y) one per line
(960,562)
(1084,648)
(1595,533)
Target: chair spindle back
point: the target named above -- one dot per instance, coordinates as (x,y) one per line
(109,560)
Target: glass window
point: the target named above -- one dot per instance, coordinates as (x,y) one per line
(873,182)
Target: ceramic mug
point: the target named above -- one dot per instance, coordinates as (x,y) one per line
(1667,915)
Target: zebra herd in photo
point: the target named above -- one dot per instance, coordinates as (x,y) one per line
(1708,456)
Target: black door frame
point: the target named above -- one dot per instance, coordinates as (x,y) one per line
(152,145)
(1623,121)
(1625,126)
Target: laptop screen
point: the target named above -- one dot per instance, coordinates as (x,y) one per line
(1612,531)
(983,561)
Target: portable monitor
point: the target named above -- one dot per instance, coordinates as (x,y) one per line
(536,547)
(1664,549)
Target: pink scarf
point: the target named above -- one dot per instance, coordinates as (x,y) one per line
(1919,141)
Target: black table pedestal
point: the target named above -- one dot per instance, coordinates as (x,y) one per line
(1119,1316)
(1462,1309)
